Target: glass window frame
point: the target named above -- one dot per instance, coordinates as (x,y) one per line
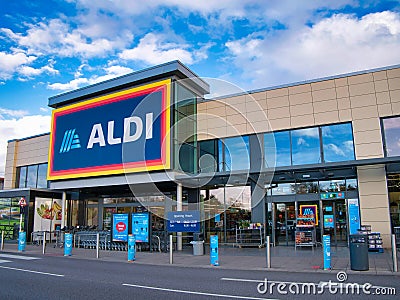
(384,135)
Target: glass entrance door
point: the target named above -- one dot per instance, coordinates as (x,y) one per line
(335,221)
(284,223)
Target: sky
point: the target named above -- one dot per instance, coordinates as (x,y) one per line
(48,47)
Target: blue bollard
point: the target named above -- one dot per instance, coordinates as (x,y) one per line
(327,252)
(131,247)
(214,250)
(68,244)
(21,241)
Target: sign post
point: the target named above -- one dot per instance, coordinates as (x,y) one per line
(214,250)
(327,251)
(68,244)
(22,234)
(131,247)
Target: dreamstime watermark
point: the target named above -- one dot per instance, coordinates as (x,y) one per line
(339,287)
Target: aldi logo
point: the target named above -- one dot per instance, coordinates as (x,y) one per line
(70,141)
(123,132)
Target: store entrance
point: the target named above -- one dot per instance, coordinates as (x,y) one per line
(335,221)
(284,223)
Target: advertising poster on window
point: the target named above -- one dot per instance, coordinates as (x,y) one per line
(354,216)
(140,227)
(48,213)
(310,211)
(120,227)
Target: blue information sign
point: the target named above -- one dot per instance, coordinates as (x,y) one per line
(214,250)
(184,221)
(131,247)
(328,221)
(21,241)
(120,227)
(335,195)
(68,244)
(140,227)
(354,216)
(327,252)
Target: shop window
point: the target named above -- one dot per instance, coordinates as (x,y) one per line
(42,176)
(338,142)
(208,156)
(237,153)
(351,184)
(32,176)
(391,132)
(332,186)
(307,187)
(22,177)
(306,146)
(277,149)
(284,189)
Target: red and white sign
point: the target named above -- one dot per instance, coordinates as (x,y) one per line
(22,202)
(120,226)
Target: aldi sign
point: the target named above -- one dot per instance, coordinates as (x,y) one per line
(116,133)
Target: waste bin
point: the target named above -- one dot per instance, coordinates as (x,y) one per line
(198,236)
(198,247)
(359,252)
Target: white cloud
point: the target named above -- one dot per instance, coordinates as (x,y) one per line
(59,37)
(111,72)
(6,113)
(336,149)
(335,45)
(20,127)
(155,49)
(301,141)
(10,62)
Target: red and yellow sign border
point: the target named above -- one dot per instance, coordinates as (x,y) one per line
(150,165)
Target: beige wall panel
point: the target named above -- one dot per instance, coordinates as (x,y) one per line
(381,75)
(254,106)
(396,108)
(258,127)
(341,81)
(366,125)
(345,115)
(278,93)
(301,98)
(299,89)
(370,190)
(217,111)
(233,100)
(343,103)
(360,78)
(302,109)
(382,97)
(236,119)
(394,83)
(394,96)
(376,214)
(326,117)
(385,110)
(230,110)
(371,173)
(238,107)
(322,95)
(383,227)
(262,104)
(342,91)
(215,104)
(393,73)
(302,121)
(235,130)
(256,116)
(256,96)
(217,132)
(324,106)
(371,150)
(280,124)
(363,100)
(204,136)
(364,112)
(277,102)
(216,122)
(278,113)
(322,85)
(381,86)
(361,89)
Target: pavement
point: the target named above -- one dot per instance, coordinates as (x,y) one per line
(283,258)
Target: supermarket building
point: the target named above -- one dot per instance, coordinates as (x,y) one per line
(150,141)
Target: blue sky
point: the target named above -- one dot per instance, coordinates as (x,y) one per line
(52,46)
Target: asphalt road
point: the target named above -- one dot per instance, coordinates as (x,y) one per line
(58,277)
